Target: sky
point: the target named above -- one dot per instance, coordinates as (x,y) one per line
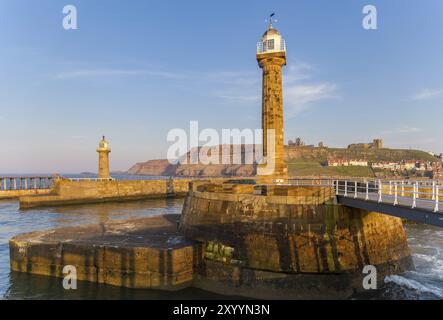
(134,70)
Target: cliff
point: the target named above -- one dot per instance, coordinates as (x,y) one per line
(164,168)
(153,168)
(301,161)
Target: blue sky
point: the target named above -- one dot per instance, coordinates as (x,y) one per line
(136,69)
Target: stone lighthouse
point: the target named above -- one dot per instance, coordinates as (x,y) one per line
(103,159)
(271,57)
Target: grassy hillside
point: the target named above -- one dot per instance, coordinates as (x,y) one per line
(382,154)
(315,168)
(305,161)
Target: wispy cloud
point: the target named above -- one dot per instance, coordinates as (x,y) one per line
(300,95)
(238,86)
(233,86)
(237,96)
(297,71)
(95,73)
(427,94)
(402,130)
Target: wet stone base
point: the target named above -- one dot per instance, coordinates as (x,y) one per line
(137,253)
(266,242)
(150,253)
(225,279)
(289,242)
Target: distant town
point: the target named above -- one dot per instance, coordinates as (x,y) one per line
(418,167)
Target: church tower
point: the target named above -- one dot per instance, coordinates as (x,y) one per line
(271,57)
(103,159)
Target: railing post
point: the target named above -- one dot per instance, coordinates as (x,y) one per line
(396,194)
(15,183)
(336,188)
(436,209)
(346,188)
(414,195)
(418,193)
(367,191)
(355,190)
(380,191)
(433,190)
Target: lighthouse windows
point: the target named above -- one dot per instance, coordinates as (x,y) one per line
(275,44)
(268,45)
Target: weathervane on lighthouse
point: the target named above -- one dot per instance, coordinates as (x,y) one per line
(271,20)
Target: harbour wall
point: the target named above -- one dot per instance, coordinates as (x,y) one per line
(68,192)
(14,194)
(289,242)
(259,241)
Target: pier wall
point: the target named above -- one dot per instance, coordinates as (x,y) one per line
(259,241)
(145,253)
(286,241)
(68,192)
(14,194)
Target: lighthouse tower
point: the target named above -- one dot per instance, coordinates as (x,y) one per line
(103,159)
(271,57)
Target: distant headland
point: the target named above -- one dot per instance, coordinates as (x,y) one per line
(360,159)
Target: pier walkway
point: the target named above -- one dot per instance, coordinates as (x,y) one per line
(419,201)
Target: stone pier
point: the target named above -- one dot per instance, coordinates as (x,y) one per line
(259,241)
(288,242)
(145,253)
(84,191)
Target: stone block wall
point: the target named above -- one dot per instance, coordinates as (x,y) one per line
(14,194)
(291,231)
(67,192)
(133,253)
(78,192)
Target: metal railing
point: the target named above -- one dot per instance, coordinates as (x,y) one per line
(262,48)
(25,183)
(423,195)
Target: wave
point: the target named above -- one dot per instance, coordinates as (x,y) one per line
(414,285)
